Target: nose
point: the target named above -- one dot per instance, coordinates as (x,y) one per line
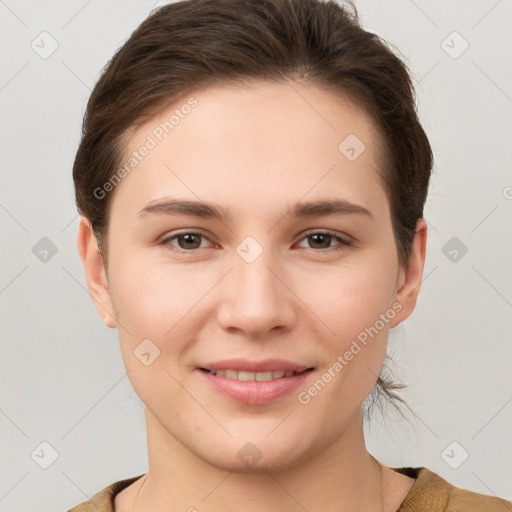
(256,299)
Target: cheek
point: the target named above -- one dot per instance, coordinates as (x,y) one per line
(157,303)
(350,298)
(355,302)
(168,305)
(154,298)
(357,305)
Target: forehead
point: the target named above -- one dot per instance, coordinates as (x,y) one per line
(267,140)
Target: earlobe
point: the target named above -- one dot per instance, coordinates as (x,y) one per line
(95,273)
(412,275)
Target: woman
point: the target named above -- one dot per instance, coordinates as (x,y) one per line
(251,179)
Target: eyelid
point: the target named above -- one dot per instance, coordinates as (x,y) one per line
(335,234)
(166,239)
(344,240)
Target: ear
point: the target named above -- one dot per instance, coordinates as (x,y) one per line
(95,273)
(410,277)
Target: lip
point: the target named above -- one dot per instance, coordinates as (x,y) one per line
(255,392)
(273,365)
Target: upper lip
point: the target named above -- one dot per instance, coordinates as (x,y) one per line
(273,365)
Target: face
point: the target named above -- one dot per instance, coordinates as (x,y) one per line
(297,271)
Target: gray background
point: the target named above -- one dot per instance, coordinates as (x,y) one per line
(62,377)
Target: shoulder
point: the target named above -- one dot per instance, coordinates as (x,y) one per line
(103,501)
(433,493)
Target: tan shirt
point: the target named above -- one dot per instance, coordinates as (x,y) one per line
(430,493)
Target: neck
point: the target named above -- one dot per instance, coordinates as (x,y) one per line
(342,477)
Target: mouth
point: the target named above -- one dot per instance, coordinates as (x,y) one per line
(261,376)
(254,383)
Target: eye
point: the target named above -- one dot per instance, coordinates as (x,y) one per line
(323,239)
(187,241)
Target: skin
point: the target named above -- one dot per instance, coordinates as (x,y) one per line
(255,150)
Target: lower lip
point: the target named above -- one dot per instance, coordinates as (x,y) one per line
(254,392)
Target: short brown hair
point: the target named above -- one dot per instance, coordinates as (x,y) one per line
(193,44)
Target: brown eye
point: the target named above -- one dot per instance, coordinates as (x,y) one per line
(186,241)
(323,240)
(189,241)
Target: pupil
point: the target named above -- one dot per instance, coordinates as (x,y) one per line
(189,239)
(316,236)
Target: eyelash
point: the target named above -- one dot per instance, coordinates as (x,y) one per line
(343,243)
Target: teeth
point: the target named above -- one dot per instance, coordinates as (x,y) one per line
(231,374)
(252,376)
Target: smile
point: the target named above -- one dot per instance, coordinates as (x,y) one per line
(259,387)
(246,376)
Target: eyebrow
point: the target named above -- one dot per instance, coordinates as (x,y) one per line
(210,210)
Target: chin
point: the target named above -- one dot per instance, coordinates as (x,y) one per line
(260,456)
(262,466)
